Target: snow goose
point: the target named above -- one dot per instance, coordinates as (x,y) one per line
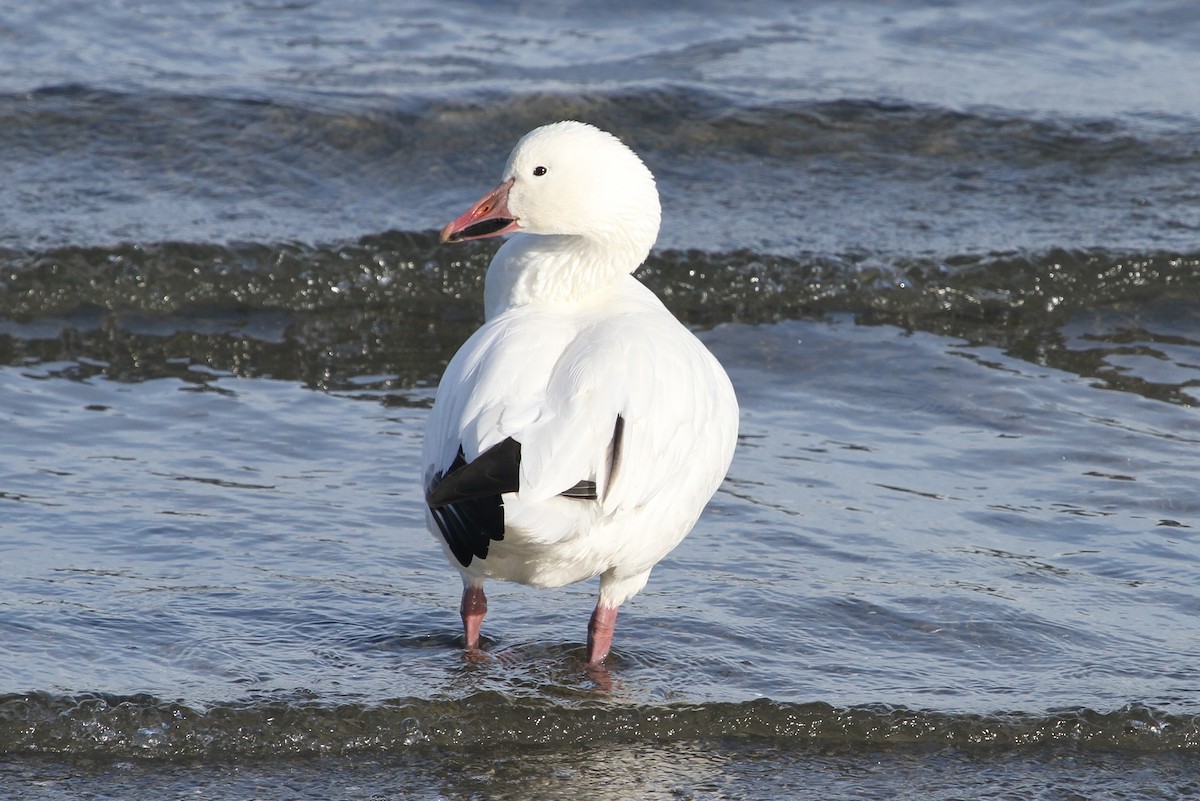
(581,431)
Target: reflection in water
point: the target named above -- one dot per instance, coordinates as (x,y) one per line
(607,770)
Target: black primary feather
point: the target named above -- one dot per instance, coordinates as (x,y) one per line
(465,499)
(583,491)
(614,452)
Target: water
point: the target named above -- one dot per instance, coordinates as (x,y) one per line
(948,253)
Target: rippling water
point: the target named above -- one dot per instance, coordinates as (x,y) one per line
(949,253)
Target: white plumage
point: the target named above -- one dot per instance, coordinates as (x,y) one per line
(582,429)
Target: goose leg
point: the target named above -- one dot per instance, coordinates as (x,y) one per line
(474,607)
(600,632)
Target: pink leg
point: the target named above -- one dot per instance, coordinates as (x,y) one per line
(600,633)
(474,607)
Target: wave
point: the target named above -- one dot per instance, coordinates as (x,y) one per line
(669,116)
(103,726)
(225,145)
(398,305)
(409,270)
(770,173)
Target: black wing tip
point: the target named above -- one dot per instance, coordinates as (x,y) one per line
(458,529)
(466,502)
(470,527)
(494,472)
(583,491)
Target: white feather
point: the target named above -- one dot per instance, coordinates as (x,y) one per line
(572,341)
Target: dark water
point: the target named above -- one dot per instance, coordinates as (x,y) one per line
(950,254)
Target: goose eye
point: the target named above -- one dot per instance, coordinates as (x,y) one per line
(539,171)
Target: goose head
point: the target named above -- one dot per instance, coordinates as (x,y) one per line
(570,179)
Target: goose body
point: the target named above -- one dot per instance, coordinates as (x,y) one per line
(582,429)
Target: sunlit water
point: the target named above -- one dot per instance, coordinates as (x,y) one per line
(948,255)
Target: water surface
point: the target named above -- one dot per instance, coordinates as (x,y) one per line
(947,252)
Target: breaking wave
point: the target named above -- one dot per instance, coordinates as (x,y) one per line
(100,726)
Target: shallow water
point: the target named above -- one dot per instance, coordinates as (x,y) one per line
(948,254)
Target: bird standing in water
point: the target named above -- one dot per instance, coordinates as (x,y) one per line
(582,429)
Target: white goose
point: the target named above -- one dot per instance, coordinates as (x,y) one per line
(582,429)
